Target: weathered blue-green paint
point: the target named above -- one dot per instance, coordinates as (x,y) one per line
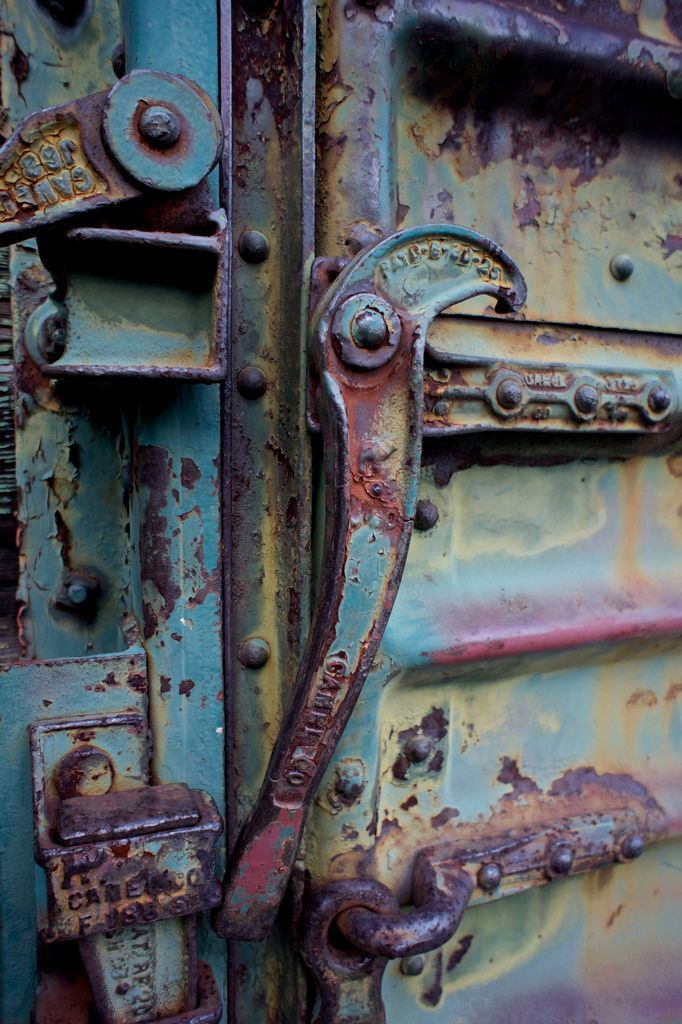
(29,692)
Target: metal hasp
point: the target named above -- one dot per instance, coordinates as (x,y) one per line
(127,866)
(351,928)
(367,347)
(154,137)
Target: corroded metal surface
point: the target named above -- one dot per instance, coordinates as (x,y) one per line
(367,345)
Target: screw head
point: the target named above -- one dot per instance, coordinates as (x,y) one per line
(632,846)
(369,329)
(254,652)
(425,516)
(253,246)
(411,966)
(659,398)
(561,858)
(509,393)
(418,748)
(587,399)
(159,126)
(251,382)
(622,267)
(489,877)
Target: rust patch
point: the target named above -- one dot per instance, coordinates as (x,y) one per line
(670,245)
(576,781)
(411,801)
(165,684)
(612,917)
(643,698)
(527,205)
(189,473)
(186,687)
(510,775)
(444,816)
(460,952)
(154,474)
(673,691)
(432,995)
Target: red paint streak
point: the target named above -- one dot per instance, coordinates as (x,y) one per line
(652,622)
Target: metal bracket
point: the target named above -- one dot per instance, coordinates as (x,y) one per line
(155,137)
(367,346)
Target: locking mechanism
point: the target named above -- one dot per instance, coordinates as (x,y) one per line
(127,867)
(142,293)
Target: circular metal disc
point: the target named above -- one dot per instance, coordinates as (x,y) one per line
(182,164)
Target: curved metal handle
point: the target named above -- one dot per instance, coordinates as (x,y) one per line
(367,350)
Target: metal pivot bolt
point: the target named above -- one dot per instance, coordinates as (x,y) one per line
(412,965)
(160,127)
(367,330)
(489,877)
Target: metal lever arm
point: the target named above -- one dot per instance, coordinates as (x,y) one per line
(367,347)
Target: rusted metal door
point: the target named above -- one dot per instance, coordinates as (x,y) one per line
(347,405)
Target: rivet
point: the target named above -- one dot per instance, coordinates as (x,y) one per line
(254,652)
(418,748)
(659,398)
(489,877)
(509,393)
(411,966)
(159,126)
(441,408)
(426,515)
(587,399)
(253,246)
(251,382)
(632,846)
(561,859)
(369,329)
(622,267)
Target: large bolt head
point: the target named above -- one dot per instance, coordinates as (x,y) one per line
(622,267)
(633,846)
(160,127)
(561,859)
